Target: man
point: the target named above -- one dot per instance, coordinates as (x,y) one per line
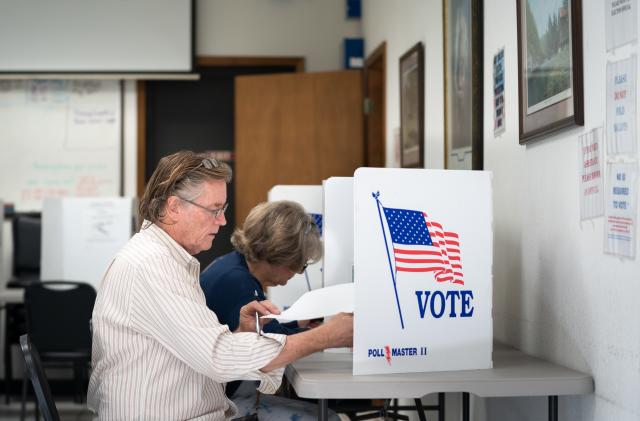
(158,351)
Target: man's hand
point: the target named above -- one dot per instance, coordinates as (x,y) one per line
(335,333)
(247,321)
(339,330)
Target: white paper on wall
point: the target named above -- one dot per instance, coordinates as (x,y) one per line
(621,107)
(310,197)
(621,17)
(591,186)
(621,205)
(423,260)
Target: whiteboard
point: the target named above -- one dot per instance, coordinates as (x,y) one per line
(59,139)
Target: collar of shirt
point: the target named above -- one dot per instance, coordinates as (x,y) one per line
(177,251)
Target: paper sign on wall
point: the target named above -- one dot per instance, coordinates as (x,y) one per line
(422,269)
(621,107)
(621,18)
(591,191)
(622,197)
(310,197)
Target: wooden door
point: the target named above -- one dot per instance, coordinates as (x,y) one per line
(199,115)
(295,129)
(374,86)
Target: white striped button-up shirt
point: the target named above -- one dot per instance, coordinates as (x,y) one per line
(158,352)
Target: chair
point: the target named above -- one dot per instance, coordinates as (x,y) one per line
(58,317)
(26,233)
(33,366)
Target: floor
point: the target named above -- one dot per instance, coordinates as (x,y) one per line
(69,411)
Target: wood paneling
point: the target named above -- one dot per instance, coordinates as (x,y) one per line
(295,129)
(375,77)
(217,61)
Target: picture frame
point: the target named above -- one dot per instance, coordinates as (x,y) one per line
(412,107)
(550,79)
(463,84)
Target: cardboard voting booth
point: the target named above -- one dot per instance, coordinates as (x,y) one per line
(80,237)
(310,197)
(337,230)
(423,250)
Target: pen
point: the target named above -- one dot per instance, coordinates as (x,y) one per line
(306,275)
(255,293)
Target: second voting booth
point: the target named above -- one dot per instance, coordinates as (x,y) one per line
(310,197)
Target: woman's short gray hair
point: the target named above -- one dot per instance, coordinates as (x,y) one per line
(280,233)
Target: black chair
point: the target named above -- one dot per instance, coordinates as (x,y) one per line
(33,366)
(26,234)
(58,317)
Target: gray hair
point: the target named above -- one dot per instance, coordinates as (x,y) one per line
(279,233)
(180,174)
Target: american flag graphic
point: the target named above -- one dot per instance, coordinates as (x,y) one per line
(317,218)
(422,245)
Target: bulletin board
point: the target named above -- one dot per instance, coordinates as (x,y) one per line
(59,138)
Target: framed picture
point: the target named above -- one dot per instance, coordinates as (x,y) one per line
(412,107)
(549,66)
(463,74)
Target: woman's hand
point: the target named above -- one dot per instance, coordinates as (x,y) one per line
(247,321)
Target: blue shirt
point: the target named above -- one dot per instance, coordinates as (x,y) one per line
(228,285)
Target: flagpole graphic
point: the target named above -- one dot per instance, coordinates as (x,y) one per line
(386,247)
(420,245)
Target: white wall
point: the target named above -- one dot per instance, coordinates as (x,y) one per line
(556,294)
(402,25)
(314,29)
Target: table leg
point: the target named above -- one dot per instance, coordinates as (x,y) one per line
(323,409)
(440,406)
(420,410)
(465,406)
(553,408)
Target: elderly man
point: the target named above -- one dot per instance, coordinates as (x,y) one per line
(158,351)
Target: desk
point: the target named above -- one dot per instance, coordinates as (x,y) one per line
(325,376)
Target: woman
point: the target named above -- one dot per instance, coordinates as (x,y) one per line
(277,240)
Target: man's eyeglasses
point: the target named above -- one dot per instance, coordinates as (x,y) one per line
(216,213)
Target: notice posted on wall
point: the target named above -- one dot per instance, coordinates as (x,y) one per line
(591,191)
(621,205)
(621,17)
(621,107)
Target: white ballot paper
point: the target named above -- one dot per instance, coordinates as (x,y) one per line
(319,303)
